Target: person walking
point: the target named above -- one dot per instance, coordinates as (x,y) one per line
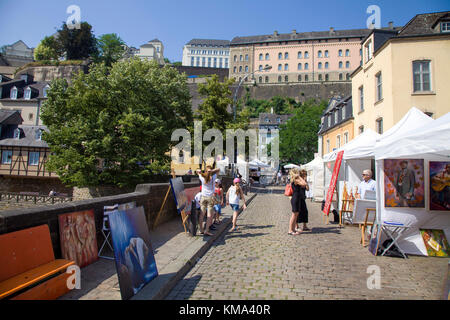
(234,194)
(207,179)
(297,201)
(218,194)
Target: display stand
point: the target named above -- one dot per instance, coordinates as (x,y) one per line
(366,224)
(106,231)
(346,213)
(394,232)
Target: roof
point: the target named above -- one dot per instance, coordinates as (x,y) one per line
(155,40)
(28,138)
(209,42)
(37,89)
(423,24)
(359,33)
(10,117)
(273,118)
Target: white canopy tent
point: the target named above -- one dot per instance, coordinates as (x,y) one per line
(314,169)
(430,142)
(291,166)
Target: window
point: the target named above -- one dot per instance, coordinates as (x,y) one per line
(267,79)
(192,61)
(286,55)
(279,78)
(246,57)
(33,158)
(306,77)
(280,67)
(17,133)
(267,56)
(299,66)
(226,62)
(340,64)
(246,68)
(13,93)
(260,79)
(320,77)
(319,65)
(299,55)
(326,65)
(445,26)
(240,57)
(240,68)
(30,116)
(319,54)
(38,134)
(278,120)
(379,83)
(328,146)
(299,77)
(340,76)
(327,77)
(361,129)
(347,76)
(340,53)
(204,62)
(368,51)
(260,67)
(286,79)
(361,98)
(280,56)
(326,53)
(306,54)
(347,53)
(306,66)
(28,93)
(286,67)
(209,62)
(198,61)
(260,56)
(220,62)
(347,64)
(345,137)
(379,125)
(234,69)
(336,117)
(421,76)
(235,58)
(6,157)
(338,141)
(215,62)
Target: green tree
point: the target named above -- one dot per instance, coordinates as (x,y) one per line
(110,48)
(122,117)
(79,43)
(48,49)
(298,137)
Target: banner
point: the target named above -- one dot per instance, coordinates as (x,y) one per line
(337,167)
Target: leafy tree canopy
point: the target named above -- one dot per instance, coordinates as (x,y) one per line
(110,48)
(48,49)
(122,117)
(298,137)
(77,43)
(280,105)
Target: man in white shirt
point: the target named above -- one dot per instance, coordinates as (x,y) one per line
(367,184)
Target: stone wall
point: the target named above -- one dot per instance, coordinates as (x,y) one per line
(150,196)
(41,185)
(49,73)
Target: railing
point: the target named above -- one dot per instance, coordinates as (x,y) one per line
(34,197)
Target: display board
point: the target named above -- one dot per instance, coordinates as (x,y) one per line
(332,186)
(133,252)
(78,237)
(181,199)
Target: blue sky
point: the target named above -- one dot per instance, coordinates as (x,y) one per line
(175,22)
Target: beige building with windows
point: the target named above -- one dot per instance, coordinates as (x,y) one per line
(403,69)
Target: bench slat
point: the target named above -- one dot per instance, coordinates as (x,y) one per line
(32,276)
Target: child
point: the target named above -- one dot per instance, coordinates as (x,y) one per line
(234,194)
(218,194)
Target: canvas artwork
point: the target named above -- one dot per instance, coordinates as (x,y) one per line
(181,199)
(78,237)
(375,238)
(435,242)
(404,182)
(133,252)
(440,185)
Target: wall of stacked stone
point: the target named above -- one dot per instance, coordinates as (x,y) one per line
(150,196)
(41,185)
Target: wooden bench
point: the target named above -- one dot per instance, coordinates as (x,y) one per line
(28,269)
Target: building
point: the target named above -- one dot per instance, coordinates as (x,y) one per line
(152,50)
(23,152)
(336,125)
(298,57)
(25,96)
(403,69)
(206,53)
(17,54)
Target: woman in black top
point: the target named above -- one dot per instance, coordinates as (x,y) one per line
(298,203)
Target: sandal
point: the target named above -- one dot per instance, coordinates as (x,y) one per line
(293,233)
(306,229)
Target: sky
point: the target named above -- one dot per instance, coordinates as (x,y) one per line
(175,22)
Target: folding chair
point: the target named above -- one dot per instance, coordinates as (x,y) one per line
(106,231)
(394,231)
(366,224)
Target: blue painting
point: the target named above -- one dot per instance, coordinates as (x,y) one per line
(181,199)
(133,253)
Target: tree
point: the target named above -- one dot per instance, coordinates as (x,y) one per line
(298,137)
(110,48)
(114,125)
(79,43)
(48,49)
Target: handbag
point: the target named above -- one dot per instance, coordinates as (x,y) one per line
(288,190)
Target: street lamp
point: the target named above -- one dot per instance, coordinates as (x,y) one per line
(266,68)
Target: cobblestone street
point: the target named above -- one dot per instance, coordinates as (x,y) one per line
(261,261)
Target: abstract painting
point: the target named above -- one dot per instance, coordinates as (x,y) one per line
(404,183)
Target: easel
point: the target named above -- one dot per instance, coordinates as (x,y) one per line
(184,216)
(347,206)
(366,224)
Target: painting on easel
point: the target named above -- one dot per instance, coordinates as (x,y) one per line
(181,199)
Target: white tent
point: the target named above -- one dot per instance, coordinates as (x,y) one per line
(291,165)
(255,163)
(430,142)
(314,169)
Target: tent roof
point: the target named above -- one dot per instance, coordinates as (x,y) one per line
(316,163)
(431,138)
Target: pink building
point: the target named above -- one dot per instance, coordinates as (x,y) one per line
(297,57)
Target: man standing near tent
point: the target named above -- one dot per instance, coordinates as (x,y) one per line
(404,183)
(367,184)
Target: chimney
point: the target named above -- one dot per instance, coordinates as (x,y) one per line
(391,25)
(331,30)
(275,33)
(294,32)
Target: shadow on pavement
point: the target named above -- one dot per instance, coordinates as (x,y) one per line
(251,226)
(335,230)
(186,286)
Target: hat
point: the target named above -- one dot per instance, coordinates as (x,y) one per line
(236,180)
(217,181)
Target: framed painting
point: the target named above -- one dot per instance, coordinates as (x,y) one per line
(404,183)
(440,185)
(435,242)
